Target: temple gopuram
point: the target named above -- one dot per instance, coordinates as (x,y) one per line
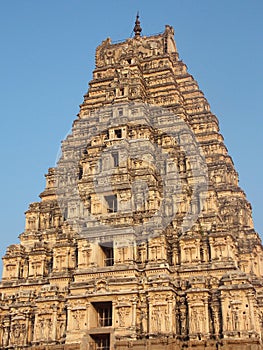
(142,238)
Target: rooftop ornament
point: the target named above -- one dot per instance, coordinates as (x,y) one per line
(137,28)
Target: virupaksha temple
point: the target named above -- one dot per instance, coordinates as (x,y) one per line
(142,238)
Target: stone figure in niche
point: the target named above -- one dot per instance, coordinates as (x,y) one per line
(61,330)
(235,320)
(153,319)
(16,331)
(183,322)
(167,321)
(143,320)
(139,200)
(194,322)
(228,321)
(216,323)
(49,328)
(86,254)
(40,330)
(201,319)
(245,321)
(19,333)
(77,316)
(21,270)
(122,315)
(156,320)
(5,340)
(142,252)
(22,337)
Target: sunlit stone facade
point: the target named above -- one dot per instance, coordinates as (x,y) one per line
(200,288)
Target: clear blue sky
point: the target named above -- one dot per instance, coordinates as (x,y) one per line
(47,57)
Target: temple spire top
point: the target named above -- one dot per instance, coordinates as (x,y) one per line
(137,28)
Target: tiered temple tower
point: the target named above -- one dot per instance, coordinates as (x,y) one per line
(115,265)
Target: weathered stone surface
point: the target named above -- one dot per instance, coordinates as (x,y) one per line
(199,289)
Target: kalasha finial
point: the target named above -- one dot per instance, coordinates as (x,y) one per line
(137,28)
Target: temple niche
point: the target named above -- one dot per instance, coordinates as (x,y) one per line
(170,282)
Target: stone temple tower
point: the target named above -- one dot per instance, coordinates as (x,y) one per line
(142,238)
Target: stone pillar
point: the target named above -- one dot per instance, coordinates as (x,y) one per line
(87,316)
(150,318)
(175,254)
(250,297)
(206,316)
(134,304)
(170,319)
(35,332)
(54,322)
(67,258)
(70,319)
(114,316)
(227,248)
(27,326)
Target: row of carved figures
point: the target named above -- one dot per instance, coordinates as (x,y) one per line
(183,320)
